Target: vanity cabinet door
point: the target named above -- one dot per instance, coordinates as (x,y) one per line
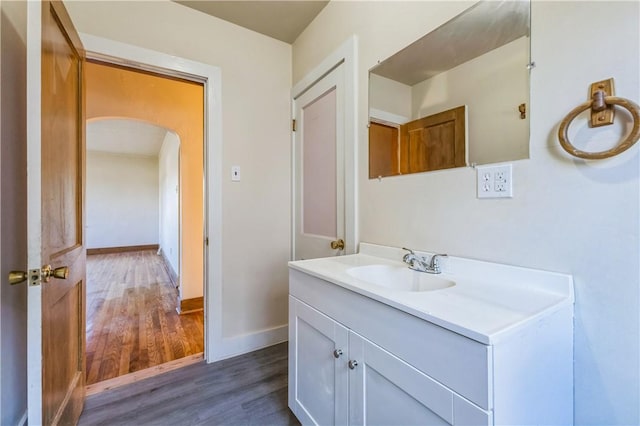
(385,390)
(318,373)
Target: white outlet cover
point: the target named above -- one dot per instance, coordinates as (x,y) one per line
(235,173)
(495,181)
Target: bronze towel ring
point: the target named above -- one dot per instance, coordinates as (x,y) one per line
(598,103)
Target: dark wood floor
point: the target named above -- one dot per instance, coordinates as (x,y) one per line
(247,390)
(132,323)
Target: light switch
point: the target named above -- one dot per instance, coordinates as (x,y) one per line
(235,173)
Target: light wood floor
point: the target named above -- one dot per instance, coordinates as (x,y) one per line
(247,390)
(132,323)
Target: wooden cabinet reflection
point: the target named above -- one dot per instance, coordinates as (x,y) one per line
(430,143)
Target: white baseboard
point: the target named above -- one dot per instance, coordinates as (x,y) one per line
(239,345)
(23,419)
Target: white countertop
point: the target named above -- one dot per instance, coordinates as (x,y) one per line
(488,301)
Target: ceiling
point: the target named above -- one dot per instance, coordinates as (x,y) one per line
(123,136)
(282,20)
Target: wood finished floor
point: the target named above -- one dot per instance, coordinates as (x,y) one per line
(132,323)
(247,390)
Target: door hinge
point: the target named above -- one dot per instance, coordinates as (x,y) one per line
(206,241)
(293,125)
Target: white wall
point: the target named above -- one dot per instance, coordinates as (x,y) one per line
(390,96)
(567,215)
(256,83)
(122,194)
(169,202)
(13,211)
(492,86)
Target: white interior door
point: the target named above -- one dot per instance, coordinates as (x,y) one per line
(320,168)
(55,218)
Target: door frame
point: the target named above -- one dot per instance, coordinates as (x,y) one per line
(347,55)
(114,52)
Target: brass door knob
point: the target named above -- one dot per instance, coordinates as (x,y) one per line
(16,277)
(337,244)
(37,275)
(60,273)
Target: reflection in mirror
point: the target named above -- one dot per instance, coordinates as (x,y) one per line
(455,97)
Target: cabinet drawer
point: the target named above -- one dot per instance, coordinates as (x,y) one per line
(461,364)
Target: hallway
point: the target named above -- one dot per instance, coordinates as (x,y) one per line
(132,323)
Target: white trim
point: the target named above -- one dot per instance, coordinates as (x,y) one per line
(239,345)
(346,54)
(138,57)
(2,272)
(387,118)
(34,210)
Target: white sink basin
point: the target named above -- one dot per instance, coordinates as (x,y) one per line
(399,278)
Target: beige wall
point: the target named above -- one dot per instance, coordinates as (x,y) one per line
(256,83)
(172,104)
(122,200)
(13,211)
(390,96)
(169,188)
(567,215)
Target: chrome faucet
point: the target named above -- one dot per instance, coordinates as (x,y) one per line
(420,264)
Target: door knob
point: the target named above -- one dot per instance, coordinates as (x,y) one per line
(337,244)
(337,353)
(353,364)
(16,277)
(60,273)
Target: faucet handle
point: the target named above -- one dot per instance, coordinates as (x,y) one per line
(405,258)
(433,264)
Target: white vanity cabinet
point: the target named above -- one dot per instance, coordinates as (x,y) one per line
(355,360)
(340,377)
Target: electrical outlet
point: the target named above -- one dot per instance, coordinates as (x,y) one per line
(495,181)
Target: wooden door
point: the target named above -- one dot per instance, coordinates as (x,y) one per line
(55,199)
(318,374)
(384,155)
(319,168)
(435,142)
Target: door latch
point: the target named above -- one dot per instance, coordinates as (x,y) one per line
(37,276)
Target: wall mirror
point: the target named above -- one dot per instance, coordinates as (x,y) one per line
(458,96)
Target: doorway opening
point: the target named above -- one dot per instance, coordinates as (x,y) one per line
(145,224)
